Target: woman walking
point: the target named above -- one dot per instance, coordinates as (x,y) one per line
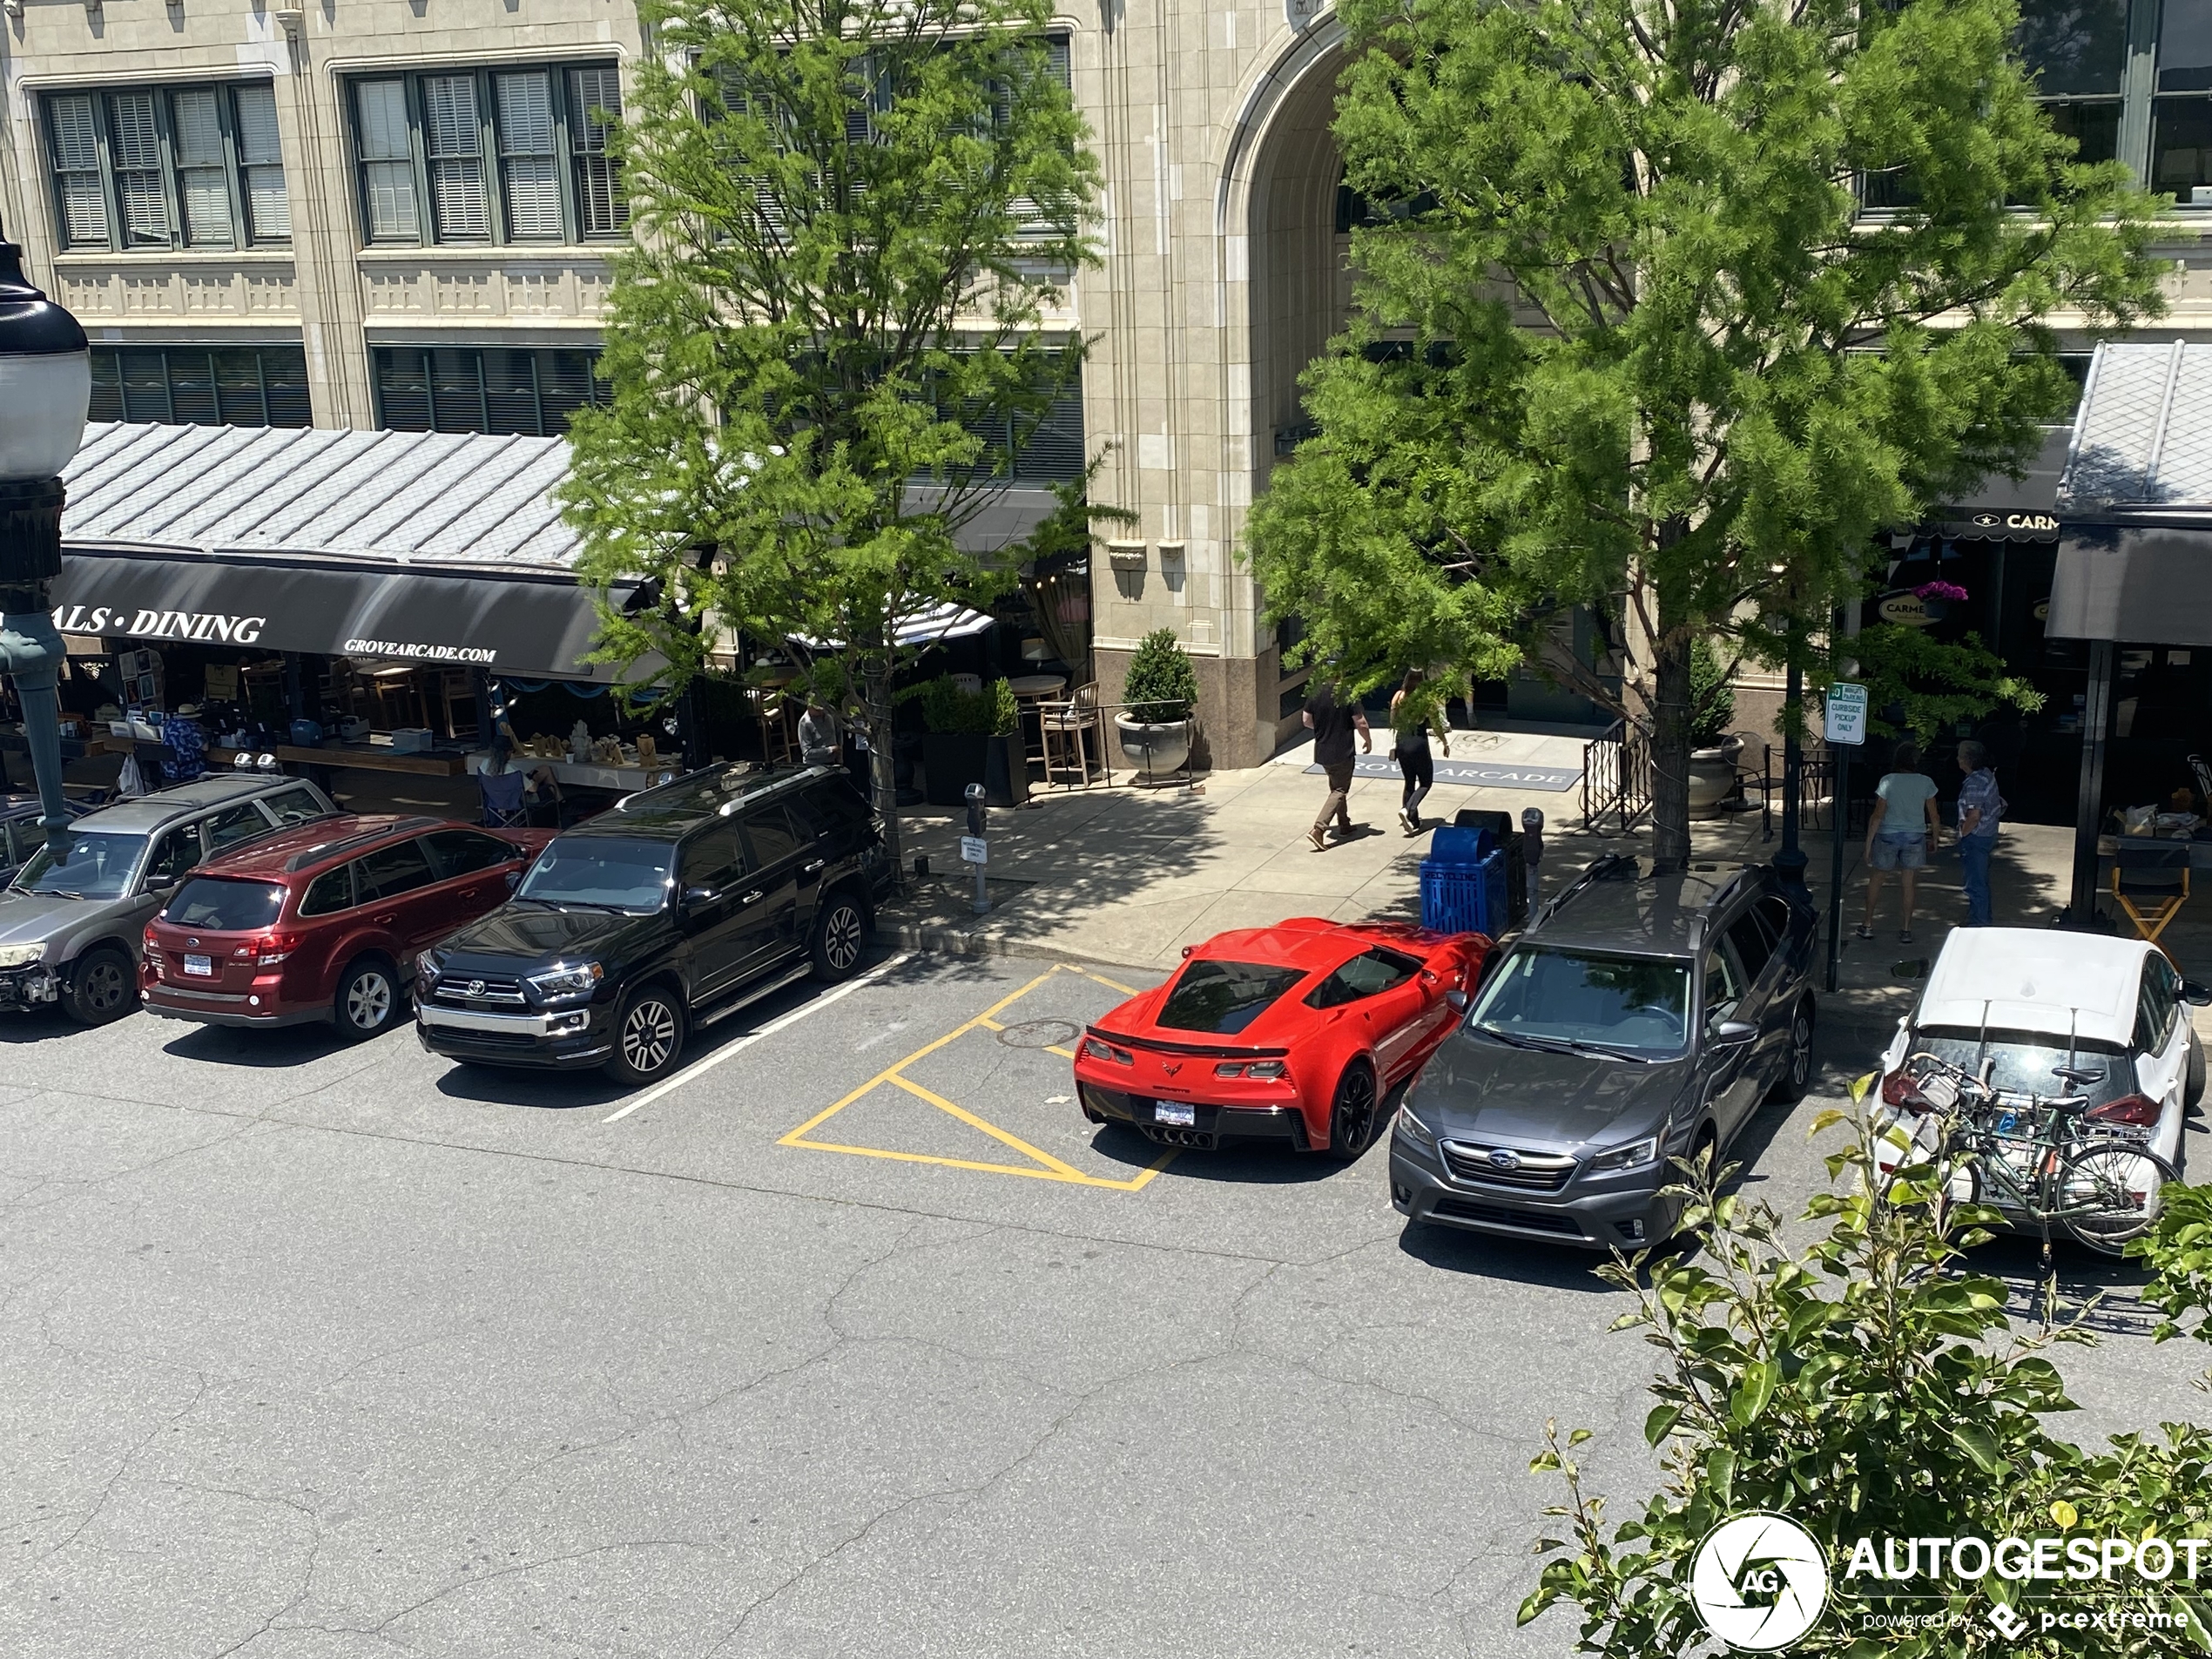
(1412,710)
(1899,833)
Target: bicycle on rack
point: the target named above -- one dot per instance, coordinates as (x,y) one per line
(2046,1158)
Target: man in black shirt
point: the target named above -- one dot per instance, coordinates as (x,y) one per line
(1332,728)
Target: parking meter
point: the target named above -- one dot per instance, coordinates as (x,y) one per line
(974,850)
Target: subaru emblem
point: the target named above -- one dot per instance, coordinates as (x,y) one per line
(192,941)
(475,987)
(1505,1158)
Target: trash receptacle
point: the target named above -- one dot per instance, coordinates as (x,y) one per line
(1505,836)
(1464,895)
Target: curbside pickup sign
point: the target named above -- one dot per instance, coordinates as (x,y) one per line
(1844,714)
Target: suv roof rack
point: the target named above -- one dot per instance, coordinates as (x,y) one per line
(347,844)
(1610,867)
(1721,892)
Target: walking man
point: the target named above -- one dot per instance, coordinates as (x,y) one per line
(1332,728)
(1982,809)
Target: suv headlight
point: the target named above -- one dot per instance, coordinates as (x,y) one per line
(1633,1155)
(1414,1129)
(426,968)
(20,956)
(566,984)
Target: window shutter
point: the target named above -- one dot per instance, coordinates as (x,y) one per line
(74,132)
(201,191)
(602,208)
(453,142)
(268,210)
(387,162)
(134,145)
(527,161)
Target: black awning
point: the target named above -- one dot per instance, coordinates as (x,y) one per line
(535,624)
(2142,586)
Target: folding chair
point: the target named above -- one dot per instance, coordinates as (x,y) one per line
(503,798)
(2152,877)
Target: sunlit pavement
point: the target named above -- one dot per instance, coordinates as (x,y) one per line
(852,1337)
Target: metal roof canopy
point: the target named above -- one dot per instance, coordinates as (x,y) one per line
(2142,451)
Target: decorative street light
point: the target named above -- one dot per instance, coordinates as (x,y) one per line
(45,393)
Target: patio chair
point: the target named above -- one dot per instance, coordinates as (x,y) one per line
(502,799)
(2150,882)
(1066,730)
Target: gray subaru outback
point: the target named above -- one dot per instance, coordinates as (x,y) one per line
(1640,1019)
(71,922)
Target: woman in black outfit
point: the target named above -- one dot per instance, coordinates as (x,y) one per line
(1414,710)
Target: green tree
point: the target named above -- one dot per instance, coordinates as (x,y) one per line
(1655,359)
(833,337)
(1872,1384)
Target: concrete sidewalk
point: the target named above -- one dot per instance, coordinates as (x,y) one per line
(1130,876)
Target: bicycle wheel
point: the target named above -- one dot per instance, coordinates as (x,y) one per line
(2110,1196)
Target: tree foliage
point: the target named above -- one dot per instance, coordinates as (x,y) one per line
(855,220)
(1872,1384)
(1660,362)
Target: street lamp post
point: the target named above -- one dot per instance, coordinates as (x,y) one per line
(45,393)
(1789,862)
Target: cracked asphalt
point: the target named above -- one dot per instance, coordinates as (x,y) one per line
(329,1352)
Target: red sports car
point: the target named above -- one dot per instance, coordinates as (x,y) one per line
(1300,1032)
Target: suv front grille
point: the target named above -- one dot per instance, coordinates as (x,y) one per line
(463,991)
(1528,1171)
(1499,1216)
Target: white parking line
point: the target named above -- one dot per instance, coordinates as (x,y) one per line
(747,1040)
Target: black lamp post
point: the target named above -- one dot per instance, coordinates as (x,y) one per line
(1790,860)
(45,392)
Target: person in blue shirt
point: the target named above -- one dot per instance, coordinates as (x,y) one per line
(1982,809)
(1899,834)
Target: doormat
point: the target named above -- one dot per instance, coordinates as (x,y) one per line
(1472,774)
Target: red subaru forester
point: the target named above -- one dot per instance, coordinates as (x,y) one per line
(323,921)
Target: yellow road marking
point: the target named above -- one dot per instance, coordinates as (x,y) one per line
(1048,1168)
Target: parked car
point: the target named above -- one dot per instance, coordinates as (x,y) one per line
(2054,1013)
(1302,1033)
(22,831)
(70,925)
(1638,1020)
(676,906)
(323,922)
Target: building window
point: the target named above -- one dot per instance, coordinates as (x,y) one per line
(501,156)
(468,388)
(201,385)
(168,167)
(1052,441)
(2077,50)
(2180,125)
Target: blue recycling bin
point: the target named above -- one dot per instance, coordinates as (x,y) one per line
(1463,894)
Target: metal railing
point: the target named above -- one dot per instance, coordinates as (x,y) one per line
(1616,780)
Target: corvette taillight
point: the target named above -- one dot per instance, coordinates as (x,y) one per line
(2129,1111)
(1262,1070)
(1097,1050)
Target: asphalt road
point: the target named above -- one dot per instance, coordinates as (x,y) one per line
(851,1339)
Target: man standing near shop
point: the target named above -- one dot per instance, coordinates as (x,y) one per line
(1982,809)
(1332,727)
(820,742)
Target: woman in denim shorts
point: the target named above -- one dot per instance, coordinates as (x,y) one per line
(1900,834)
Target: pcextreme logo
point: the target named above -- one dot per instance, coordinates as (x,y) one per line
(1759,1581)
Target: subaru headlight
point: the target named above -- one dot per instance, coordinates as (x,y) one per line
(567,984)
(1633,1155)
(20,956)
(1414,1129)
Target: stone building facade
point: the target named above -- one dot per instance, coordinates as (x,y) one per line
(368,211)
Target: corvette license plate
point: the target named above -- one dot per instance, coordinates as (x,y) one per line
(1173,1111)
(204,965)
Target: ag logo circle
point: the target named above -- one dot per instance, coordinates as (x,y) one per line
(1759,1581)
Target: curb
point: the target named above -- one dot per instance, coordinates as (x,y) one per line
(938,938)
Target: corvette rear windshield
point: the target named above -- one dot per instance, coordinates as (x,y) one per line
(1223,998)
(1639,1003)
(225,906)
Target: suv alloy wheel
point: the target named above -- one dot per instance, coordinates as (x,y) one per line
(649,1035)
(840,934)
(367,999)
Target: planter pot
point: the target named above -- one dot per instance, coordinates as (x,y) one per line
(1712,777)
(955,759)
(1154,750)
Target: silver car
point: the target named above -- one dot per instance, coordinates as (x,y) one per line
(70,926)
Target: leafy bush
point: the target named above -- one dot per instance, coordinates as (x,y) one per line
(945,706)
(1870,1385)
(1712,695)
(1162,687)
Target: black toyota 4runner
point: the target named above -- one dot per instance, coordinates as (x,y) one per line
(681,904)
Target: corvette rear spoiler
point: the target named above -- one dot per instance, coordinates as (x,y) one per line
(1242,1051)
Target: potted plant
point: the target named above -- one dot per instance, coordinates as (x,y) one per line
(973,738)
(1713,751)
(1158,695)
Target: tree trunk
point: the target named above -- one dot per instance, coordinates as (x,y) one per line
(1670,745)
(882,763)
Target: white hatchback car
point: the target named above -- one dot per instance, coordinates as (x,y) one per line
(2112,1014)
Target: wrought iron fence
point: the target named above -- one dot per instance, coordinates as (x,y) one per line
(1616,780)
